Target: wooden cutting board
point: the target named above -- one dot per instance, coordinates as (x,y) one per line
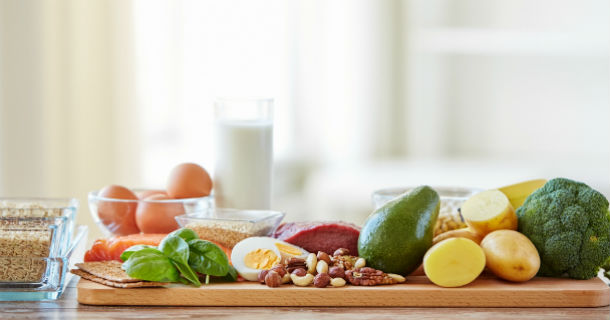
(417,292)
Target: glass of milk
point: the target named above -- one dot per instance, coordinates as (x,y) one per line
(244,153)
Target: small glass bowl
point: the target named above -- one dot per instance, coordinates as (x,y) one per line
(39,278)
(227,227)
(29,242)
(55,215)
(120,208)
(452,198)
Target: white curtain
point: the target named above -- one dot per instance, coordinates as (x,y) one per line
(68,124)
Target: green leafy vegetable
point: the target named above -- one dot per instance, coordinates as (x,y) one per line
(231,275)
(185,233)
(180,255)
(152,265)
(208,258)
(177,250)
(569,223)
(129,251)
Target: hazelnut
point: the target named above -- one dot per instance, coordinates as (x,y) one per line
(341,252)
(336,272)
(280,269)
(321,280)
(273,279)
(323,256)
(299,272)
(262,275)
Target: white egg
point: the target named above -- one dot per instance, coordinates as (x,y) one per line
(254,254)
(288,250)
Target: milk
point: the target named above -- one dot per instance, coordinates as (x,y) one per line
(244,159)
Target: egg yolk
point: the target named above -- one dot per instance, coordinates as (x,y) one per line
(289,250)
(261,259)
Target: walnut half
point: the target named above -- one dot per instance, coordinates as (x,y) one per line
(346,262)
(368,277)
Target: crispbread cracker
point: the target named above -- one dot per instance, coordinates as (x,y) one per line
(139,284)
(109,270)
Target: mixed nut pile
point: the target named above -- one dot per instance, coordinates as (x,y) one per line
(323,270)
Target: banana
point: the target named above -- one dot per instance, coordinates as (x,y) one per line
(518,192)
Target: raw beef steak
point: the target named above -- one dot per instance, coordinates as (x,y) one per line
(320,236)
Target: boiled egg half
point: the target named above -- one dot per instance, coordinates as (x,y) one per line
(254,254)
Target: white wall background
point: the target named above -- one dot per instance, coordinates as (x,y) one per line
(369,94)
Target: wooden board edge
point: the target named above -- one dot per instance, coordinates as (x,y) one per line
(88,295)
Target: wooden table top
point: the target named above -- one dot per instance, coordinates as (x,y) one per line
(68,308)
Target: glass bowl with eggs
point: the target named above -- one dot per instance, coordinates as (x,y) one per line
(118,210)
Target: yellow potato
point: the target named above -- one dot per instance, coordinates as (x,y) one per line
(454,262)
(510,255)
(467,233)
(488,211)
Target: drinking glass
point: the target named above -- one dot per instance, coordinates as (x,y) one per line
(244,153)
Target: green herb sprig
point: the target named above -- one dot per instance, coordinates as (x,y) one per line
(179,257)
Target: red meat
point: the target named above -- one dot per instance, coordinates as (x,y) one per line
(320,236)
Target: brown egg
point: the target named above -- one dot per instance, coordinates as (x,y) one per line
(158,217)
(188,180)
(118,217)
(147,193)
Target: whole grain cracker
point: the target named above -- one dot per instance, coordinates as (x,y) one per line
(109,270)
(139,284)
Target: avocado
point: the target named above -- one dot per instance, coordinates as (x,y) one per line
(396,236)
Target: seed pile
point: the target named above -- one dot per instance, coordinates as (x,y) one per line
(226,233)
(23,242)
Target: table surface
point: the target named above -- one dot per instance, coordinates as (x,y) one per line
(67,308)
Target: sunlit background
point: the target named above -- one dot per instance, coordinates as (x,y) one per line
(368,94)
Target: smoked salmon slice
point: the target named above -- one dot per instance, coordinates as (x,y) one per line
(111,248)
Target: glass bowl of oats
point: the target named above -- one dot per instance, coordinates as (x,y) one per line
(227,227)
(32,219)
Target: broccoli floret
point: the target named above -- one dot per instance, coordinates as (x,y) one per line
(569,223)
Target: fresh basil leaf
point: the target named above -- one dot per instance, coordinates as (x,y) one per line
(177,250)
(185,233)
(184,281)
(231,275)
(150,264)
(129,251)
(207,258)
(188,273)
